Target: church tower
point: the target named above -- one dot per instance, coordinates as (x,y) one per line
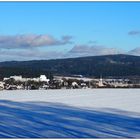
(101,82)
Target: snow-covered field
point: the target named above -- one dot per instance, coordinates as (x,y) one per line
(124,99)
(89,113)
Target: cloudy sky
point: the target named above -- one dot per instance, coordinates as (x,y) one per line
(50,30)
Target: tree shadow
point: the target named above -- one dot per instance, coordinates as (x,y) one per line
(54,120)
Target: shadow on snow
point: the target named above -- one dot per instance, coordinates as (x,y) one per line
(50,120)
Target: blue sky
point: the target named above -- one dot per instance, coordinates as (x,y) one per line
(89,24)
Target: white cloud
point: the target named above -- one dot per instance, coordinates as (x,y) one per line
(134,33)
(33,53)
(31,40)
(85,50)
(28,54)
(135,51)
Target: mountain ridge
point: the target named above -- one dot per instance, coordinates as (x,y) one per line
(107,65)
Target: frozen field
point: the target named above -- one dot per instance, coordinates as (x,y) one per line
(123,99)
(89,113)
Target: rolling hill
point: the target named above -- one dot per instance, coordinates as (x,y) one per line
(92,66)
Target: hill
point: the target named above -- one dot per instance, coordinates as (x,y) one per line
(107,65)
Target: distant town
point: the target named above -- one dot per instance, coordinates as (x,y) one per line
(64,82)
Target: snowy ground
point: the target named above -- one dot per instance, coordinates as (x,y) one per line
(90,113)
(124,99)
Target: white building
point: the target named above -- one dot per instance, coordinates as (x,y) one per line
(100,82)
(17,78)
(43,78)
(74,84)
(1,85)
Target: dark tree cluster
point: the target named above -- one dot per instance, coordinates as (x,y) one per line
(107,66)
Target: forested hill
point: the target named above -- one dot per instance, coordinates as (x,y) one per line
(108,65)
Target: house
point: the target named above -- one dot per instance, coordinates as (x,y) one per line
(16,78)
(11,87)
(74,85)
(19,87)
(83,85)
(43,78)
(1,85)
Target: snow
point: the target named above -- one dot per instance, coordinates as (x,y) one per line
(78,78)
(75,113)
(124,99)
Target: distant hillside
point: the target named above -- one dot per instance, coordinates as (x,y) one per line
(108,65)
